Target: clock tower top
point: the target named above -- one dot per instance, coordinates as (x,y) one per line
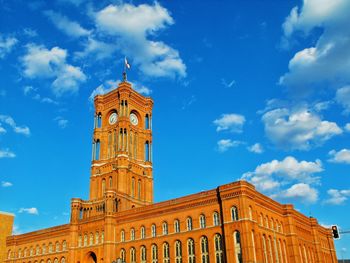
(122,147)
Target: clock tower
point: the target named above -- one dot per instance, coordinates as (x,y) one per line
(122,148)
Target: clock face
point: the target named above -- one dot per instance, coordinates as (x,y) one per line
(133,119)
(113,118)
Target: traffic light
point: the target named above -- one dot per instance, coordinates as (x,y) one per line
(335,232)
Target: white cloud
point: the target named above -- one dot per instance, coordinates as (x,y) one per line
(39,62)
(29,32)
(343,98)
(343,156)
(347,127)
(299,129)
(6,45)
(98,49)
(61,122)
(70,28)
(11,122)
(228,84)
(28,89)
(2,130)
(133,26)
(32,210)
(230,122)
(256,148)
(225,144)
(311,65)
(272,175)
(6,153)
(337,197)
(301,191)
(6,184)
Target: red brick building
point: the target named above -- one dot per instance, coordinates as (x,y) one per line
(231,223)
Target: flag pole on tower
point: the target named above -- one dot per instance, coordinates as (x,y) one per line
(126,66)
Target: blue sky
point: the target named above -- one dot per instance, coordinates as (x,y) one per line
(254,90)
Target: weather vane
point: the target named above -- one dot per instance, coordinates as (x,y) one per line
(126,66)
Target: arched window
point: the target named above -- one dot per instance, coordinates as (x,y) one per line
(97,150)
(50,247)
(37,250)
(57,246)
(55,260)
(91,240)
(272,224)
(146,122)
(154,253)
(147,151)
(103,186)
(267,222)
(234,213)
(264,249)
(80,241)
(31,252)
(177,226)
(8,254)
(132,255)
(133,187)
(122,254)
(25,252)
(132,234)
(166,256)
(99,120)
(97,237)
(143,232)
(218,249)
(204,250)
(250,211)
(202,223)
(237,246)
(189,223)
(216,219)
(143,256)
(63,260)
(102,237)
(154,230)
(122,236)
(110,182)
(19,253)
(190,251)
(178,251)
(270,249)
(253,246)
(261,219)
(64,245)
(165,228)
(49,261)
(139,189)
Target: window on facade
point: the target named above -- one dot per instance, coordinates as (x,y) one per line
(37,250)
(264,249)
(165,228)
(110,182)
(147,122)
(25,252)
(202,222)
(97,237)
(216,219)
(97,150)
(272,224)
(189,223)
(57,246)
(132,255)
(99,120)
(139,189)
(132,234)
(237,246)
(55,260)
(218,249)
(177,226)
(31,253)
(102,237)
(204,250)
(91,239)
(50,248)
(122,236)
(63,260)
(266,222)
(143,232)
(166,256)
(8,254)
(261,220)
(49,261)
(19,253)
(250,210)
(178,251)
(147,152)
(109,143)
(64,245)
(234,213)
(190,251)
(122,254)
(133,187)
(79,241)
(253,246)
(154,231)
(143,256)
(154,253)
